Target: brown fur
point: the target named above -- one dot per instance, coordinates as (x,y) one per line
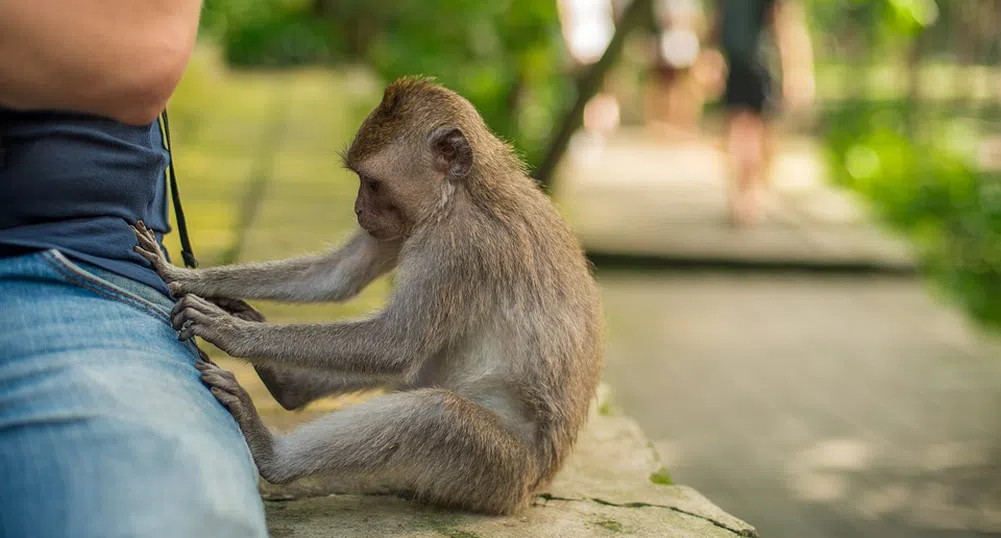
(493,335)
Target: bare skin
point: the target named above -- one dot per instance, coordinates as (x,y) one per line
(119,59)
(492,339)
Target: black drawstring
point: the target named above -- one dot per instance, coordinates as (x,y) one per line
(182,227)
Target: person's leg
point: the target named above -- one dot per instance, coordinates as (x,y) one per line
(746,131)
(105,429)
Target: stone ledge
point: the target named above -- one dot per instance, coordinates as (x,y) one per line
(606,489)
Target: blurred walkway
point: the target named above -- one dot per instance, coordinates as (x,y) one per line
(812,406)
(638,196)
(822,406)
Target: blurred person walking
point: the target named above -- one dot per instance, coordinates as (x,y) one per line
(676,96)
(748,98)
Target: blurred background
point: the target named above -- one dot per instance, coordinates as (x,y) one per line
(802,304)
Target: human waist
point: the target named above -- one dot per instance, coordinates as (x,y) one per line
(59,166)
(75,183)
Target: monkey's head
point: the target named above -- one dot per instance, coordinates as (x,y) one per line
(409,154)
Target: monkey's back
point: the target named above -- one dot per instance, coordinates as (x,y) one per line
(541,289)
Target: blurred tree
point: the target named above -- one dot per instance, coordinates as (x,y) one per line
(506,56)
(269,33)
(915,158)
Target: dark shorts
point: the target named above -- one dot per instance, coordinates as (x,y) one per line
(748,87)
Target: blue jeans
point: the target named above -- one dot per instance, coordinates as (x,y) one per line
(105,429)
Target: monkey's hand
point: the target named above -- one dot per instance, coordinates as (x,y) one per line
(238,308)
(194,316)
(149,248)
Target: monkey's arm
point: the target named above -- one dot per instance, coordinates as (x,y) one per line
(293,387)
(382,347)
(329,276)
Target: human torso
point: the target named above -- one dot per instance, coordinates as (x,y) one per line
(75,183)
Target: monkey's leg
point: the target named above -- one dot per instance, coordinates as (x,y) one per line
(293,388)
(230,394)
(444,448)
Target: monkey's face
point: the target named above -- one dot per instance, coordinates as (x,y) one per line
(408,169)
(395,193)
(376,212)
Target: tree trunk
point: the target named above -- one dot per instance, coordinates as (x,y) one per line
(588,85)
(915,61)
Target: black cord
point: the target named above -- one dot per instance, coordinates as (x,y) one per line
(182,226)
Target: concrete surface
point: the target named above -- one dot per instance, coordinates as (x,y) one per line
(635,195)
(605,490)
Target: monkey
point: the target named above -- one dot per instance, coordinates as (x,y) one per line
(490,343)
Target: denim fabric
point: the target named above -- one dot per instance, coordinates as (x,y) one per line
(105,429)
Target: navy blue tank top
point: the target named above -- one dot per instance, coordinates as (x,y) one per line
(76,183)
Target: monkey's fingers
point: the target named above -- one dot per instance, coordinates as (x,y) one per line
(142,228)
(150,257)
(193,303)
(204,358)
(210,367)
(217,377)
(238,308)
(179,319)
(149,246)
(224,387)
(191,323)
(145,235)
(187,332)
(230,401)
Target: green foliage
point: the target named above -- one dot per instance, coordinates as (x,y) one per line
(928,188)
(611,525)
(268,33)
(661,477)
(287,39)
(870,28)
(506,57)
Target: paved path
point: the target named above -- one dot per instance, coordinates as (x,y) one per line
(636,195)
(820,406)
(810,406)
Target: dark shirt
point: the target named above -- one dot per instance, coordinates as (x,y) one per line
(748,83)
(75,183)
(743,22)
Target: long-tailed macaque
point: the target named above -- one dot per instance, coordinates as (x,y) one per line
(491,342)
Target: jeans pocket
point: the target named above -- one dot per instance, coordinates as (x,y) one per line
(83,278)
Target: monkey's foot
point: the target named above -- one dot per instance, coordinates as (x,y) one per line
(236,400)
(227,390)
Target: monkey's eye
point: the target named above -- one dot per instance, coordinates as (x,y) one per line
(370,183)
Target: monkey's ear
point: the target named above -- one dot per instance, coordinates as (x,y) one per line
(452,154)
